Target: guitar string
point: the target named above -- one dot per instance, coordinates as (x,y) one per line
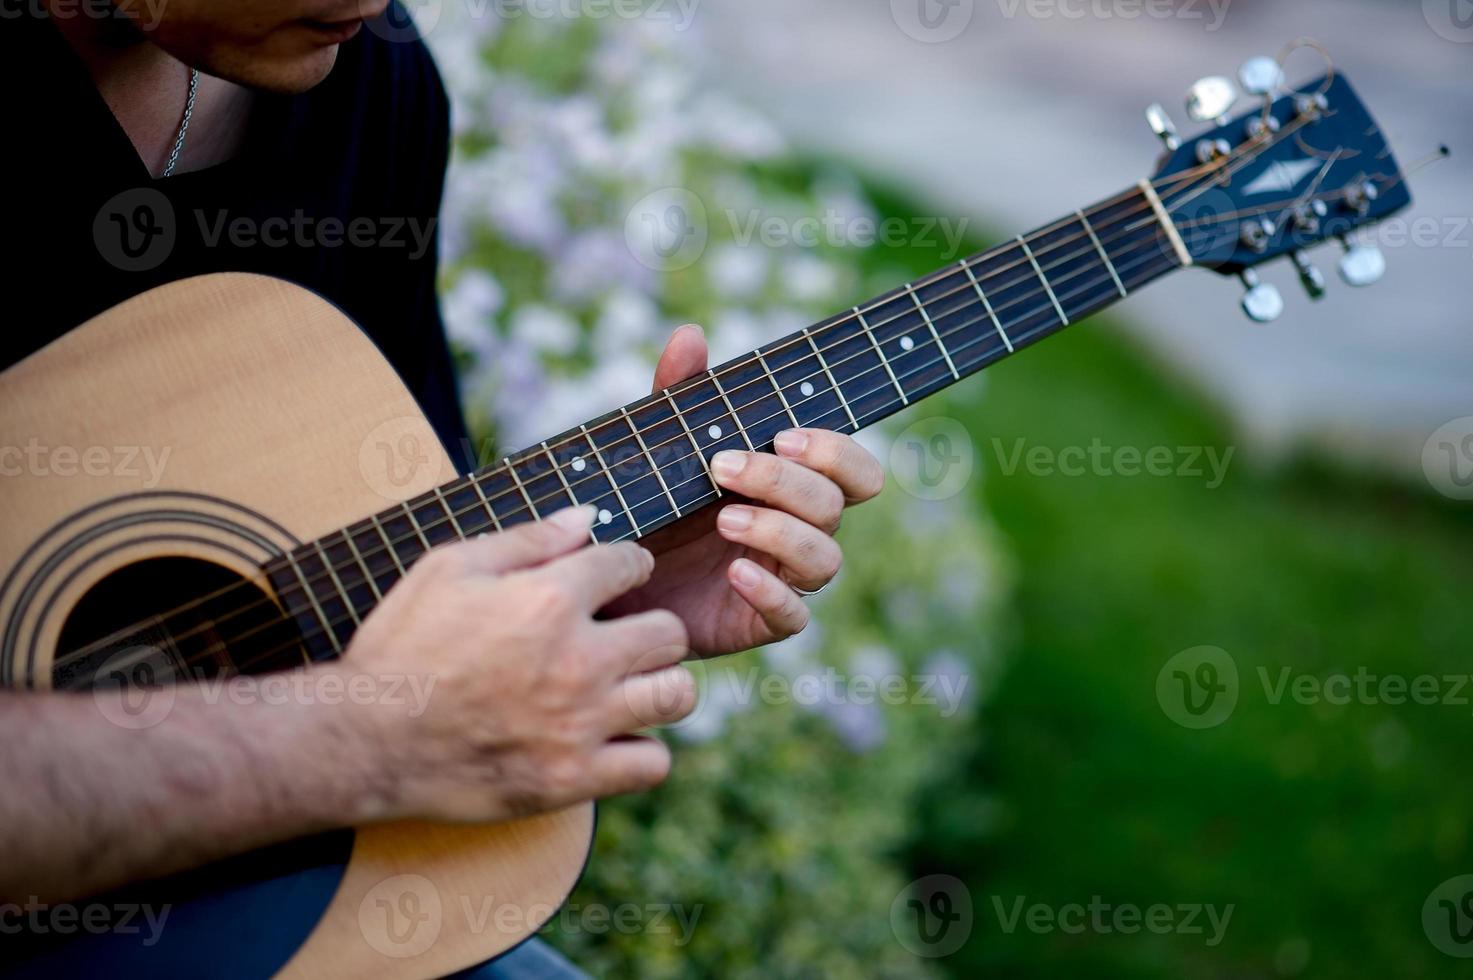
(990,352)
(376,551)
(939,277)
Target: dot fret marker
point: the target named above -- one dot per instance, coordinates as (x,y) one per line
(578,465)
(605,516)
(907,344)
(714,432)
(807,389)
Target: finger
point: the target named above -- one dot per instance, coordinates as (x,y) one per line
(597,576)
(810,558)
(837,456)
(651,700)
(773,599)
(629,765)
(792,487)
(527,544)
(643,643)
(684,356)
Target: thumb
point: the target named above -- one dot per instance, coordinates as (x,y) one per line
(531,544)
(684,356)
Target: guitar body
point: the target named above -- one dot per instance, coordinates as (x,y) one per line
(190,435)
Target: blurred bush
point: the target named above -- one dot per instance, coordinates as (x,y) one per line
(779,836)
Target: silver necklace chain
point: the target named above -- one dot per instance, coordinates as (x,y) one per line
(184,125)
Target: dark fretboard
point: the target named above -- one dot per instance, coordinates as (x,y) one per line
(647,464)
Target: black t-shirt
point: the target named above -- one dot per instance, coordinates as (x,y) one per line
(337,189)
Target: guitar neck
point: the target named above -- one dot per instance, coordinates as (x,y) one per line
(647,464)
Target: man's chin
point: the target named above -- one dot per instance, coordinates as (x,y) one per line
(287,75)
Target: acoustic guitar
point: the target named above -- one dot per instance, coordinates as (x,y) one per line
(301,481)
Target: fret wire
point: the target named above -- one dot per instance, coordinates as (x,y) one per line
(732,409)
(486,503)
(613,480)
(566,485)
(927,317)
(388,545)
(525,495)
(358,557)
(414,523)
(454,524)
(1101,249)
(639,438)
(987,305)
(337,582)
(696,446)
(1041,278)
(778,388)
(904,398)
(825,365)
(312,598)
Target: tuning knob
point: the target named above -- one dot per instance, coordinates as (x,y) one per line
(1362,265)
(1310,275)
(1261,76)
(1163,127)
(1262,302)
(1211,98)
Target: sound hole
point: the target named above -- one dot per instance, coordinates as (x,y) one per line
(170,619)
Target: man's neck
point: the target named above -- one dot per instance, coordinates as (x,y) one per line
(147,89)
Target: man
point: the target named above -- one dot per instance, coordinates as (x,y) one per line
(139,133)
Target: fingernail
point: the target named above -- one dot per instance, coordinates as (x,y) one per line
(746,573)
(791,442)
(696,327)
(573,518)
(729,463)
(735,519)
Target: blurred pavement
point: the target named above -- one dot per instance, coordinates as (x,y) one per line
(1035,108)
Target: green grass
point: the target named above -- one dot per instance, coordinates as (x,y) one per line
(1324,827)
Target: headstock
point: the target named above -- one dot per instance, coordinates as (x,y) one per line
(1303,168)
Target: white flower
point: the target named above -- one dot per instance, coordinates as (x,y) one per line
(737,272)
(545,329)
(810,279)
(470,308)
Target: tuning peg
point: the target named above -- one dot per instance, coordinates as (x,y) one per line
(1310,275)
(1361,265)
(1261,76)
(1163,127)
(1211,98)
(1262,302)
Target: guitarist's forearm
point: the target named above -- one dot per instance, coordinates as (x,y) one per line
(103,804)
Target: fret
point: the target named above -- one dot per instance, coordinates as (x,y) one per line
(1089,228)
(1082,283)
(987,305)
(450,515)
(904,399)
(573,458)
(316,606)
(521,488)
(775,387)
(613,481)
(467,508)
(934,334)
(567,487)
(666,435)
(1043,279)
(388,545)
(665,487)
(337,582)
(367,572)
(1135,245)
(732,409)
(802,380)
(830,375)
(486,503)
(696,446)
(415,525)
